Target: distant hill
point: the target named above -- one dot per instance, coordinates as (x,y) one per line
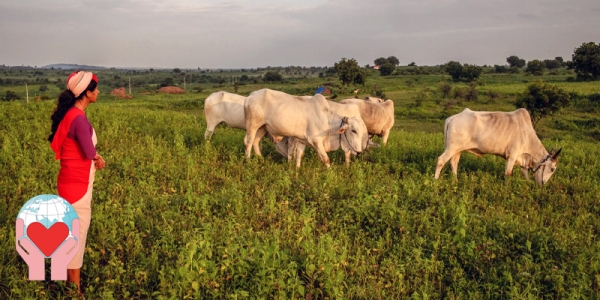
(73,67)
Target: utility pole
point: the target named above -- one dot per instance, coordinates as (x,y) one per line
(184,82)
(27,92)
(129,85)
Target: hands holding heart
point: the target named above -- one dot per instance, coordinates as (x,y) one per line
(42,242)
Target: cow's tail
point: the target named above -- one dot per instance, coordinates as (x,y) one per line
(446,126)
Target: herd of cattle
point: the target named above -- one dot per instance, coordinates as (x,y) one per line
(292,122)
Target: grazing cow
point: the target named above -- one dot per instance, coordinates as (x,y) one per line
(377,115)
(311,121)
(223,107)
(229,108)
(509,135)
(290,146)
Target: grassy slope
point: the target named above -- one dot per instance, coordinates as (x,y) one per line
(176,217)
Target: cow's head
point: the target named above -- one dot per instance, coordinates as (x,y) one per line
(374,100)
(544,169)
(354,135)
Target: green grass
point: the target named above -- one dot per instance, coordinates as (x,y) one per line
(176,217)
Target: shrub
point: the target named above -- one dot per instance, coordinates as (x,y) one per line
(541,100)
(535,67)
(272,76)
(445,89)
(471,93)
(10,95)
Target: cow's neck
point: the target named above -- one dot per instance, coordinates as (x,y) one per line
(537,152)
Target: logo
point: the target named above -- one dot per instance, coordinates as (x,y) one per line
(47,226)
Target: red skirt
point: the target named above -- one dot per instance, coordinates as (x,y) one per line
(73,178)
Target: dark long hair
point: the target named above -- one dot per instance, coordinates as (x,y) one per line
(66,100)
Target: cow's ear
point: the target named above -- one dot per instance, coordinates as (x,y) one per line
(343,129)
(555,155)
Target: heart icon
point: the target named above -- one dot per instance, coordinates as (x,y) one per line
(47,239)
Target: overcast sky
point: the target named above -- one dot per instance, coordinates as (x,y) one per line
(260,33)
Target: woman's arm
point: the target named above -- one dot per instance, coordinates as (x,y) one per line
(82,131)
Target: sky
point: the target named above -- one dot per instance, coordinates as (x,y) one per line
(259,33)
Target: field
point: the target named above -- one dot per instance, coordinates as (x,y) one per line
(176,217)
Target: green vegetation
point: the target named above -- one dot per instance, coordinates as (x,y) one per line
(586,61)
(349,72)
(515,62)
(176,217)
(541,100)
(535,67)
(464,72)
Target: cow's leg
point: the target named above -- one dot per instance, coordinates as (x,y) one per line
(300,147)
(442,160)
(249,139)
(385,135)
(454,164)
(510,163)
(211,124)
(256,144)
(525,172)
(322,154)
(348,154)
(293,147)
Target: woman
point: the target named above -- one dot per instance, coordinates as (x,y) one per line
(73,139)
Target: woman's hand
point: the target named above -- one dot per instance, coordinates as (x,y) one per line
(99,162)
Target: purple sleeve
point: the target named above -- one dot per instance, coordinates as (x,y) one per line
(81,130)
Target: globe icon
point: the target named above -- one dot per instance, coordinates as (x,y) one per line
(47,210)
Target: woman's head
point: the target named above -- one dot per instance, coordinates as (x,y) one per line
(79,85)
(79,82)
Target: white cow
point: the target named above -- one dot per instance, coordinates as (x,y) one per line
(509,135)
(311,121)
(223,107)
(377,115)
(229,108)
(290,146)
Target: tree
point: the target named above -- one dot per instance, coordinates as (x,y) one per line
(272,76)
(535,67)
(515,61)
(500,69)
(167,82)
(412,64)
(552,64)
(462,72)
(386,69)
(541,100)
(176,70)
(471,72)
(380,61)
(586,61)
(349,71)
(330,72)
(393,60)
(454,69)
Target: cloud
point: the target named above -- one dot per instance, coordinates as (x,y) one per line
(252,33)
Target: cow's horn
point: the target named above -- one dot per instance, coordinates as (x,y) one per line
(345,120)
(555,155)
(552,151)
